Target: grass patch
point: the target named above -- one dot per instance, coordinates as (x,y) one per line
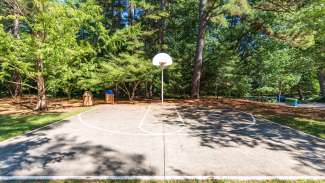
(12,125)
(313,127)
(318,99)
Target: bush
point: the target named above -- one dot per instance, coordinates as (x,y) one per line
(262,99)
(318,99)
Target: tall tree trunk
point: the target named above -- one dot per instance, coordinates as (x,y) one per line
(15,30)
(131,13)
(162,25)
(301,94)
(321,79)
(150,90)
(134,89)
(197,72)
(146,95)
(42,101)
(16,89)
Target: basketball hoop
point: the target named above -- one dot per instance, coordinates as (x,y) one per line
(162,60)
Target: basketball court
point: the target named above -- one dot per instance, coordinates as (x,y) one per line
(164,141)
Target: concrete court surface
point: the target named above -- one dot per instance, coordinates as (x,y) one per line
(169,140)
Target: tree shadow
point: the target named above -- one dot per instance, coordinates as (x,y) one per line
(41,155)
(224,127)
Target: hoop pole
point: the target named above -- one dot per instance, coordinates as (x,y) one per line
(162,85)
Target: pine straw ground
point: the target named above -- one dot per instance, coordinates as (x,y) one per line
(261,107)
(26,104)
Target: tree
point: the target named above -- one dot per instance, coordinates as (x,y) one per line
(54,28)
(199,49)
(298,23)
(77,43)
(66,47)
(13,12)
(216,11)
(127,67)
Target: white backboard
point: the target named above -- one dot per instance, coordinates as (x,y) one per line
(162,59)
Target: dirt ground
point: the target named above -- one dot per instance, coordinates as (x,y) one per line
(261,108)
(25,106)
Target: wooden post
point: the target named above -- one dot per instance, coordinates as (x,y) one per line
(88,99)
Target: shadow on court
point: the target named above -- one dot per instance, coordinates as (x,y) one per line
(104,160)
(227,128)
(212,141)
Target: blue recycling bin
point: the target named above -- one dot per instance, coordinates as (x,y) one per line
(109,92)
(295,103)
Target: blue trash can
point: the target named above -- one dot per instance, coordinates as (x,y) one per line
(109,92)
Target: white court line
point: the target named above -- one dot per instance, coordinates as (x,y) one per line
(119,132)
(240,178)
(148,133)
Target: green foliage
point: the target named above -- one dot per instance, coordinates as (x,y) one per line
(14,55)
(275,47)
(291,100)
(127,66)
(266,90)
(71,59)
